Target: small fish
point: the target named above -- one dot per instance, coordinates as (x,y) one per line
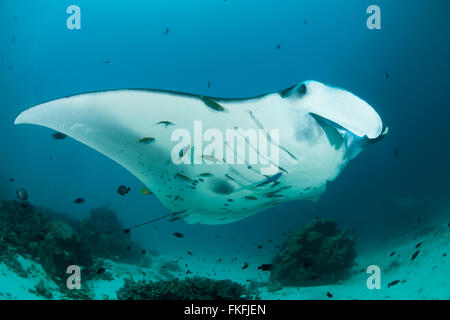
(270,179)
(143,252)
(128,248)
(126,231)
(22,194)
(418,245)
(11,179)
(251,198)
(13,39)
(415,255)
(272,195)
(174,219)
(307,265)
(393,283)
(147,140)
(245,266)
(211,104)
(275,184)
(166,32)
(79,200)
(385,74)
(305,22)
(178,235)
(189,271)
(210,158)
(182,177)
(278,47)
(58,135)
(183,152)
(396,151)
(259,247)
(165,123)
(206,175)
(146,191)
(123,190)
(419,220)
(100,270)
(190,253)
(179,212)
(266,267)
(392,253)
(209,84)
(106,61)
(329,295)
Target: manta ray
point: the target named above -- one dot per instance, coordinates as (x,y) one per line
(319,130)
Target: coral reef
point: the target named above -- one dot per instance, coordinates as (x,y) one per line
(57,241)
(32,232)
(318,253)
(195,288)
(104,233)
(42,290)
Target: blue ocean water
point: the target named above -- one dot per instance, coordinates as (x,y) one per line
(233,46)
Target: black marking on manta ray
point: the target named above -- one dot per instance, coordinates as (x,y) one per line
(269,138)
(169,92)
(285,92)
(221,186)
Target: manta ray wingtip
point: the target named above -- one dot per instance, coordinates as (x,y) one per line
(20,118)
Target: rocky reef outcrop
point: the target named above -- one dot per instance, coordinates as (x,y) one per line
(57,241)
(104,233)
(318,253)
(195,288)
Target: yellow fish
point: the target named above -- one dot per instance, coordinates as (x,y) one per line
(146,191)
(210,158)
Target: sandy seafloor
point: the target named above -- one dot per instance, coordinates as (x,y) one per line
(425,277)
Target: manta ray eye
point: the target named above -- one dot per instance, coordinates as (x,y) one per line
(302,89)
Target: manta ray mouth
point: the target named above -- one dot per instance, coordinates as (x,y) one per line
(327,123)
(338,136)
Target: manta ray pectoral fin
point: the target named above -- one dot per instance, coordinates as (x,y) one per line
(116,123)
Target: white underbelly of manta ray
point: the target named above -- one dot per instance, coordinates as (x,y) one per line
(179,145)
